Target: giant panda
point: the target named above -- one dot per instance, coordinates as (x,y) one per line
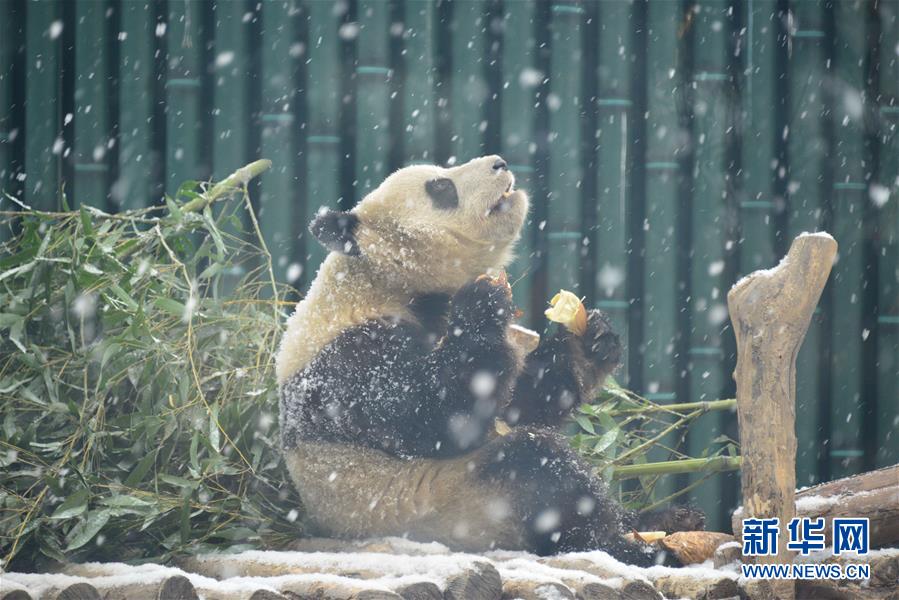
(396,363)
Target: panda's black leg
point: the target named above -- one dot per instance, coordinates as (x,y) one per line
(563,507)
(564,371)
(466,380)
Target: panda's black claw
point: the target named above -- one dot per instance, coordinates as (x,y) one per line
(484,304)
(601,345)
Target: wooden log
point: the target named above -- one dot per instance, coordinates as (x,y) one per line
(10,590)
(177,587)
(828,589)
(697,588)
(481,582)
(422,590)
(596,591)
(516,589)
(874,495)
(770,311)
(266,595)
(79,591)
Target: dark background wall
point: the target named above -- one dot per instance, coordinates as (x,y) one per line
(669,147)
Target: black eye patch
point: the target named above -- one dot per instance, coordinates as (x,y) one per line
(443,193)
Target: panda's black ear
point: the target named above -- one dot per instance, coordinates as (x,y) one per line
(336,230)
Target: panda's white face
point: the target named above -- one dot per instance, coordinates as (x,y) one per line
(429,228)
(475,200)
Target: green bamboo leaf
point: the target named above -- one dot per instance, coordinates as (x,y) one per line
(214,433)
(137,474)
(584,422)
(74,505)
(85,531)
(125,501)
(86,223)
(171,306)
(606,441)
(185,520)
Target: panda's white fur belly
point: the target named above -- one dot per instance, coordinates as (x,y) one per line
(353,492)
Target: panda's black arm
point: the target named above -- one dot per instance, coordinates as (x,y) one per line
(457,388)
(384,385)
(563,372)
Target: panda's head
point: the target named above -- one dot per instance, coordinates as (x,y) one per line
(428,228)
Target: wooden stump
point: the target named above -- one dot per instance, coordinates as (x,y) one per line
(770,311)
(79,591)
(481,582)
(177,587)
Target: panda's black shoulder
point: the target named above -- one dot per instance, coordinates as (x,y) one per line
(384,339)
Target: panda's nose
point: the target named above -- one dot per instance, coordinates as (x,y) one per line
(500,165)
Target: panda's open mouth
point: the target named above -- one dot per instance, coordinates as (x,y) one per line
(502,203)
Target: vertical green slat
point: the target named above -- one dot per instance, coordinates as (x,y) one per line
(756,246)
(137,161)
(612,140)
(469,86)
(519,83)
(850,195)
(43,107)
(230,136)
(277,200)
(6,116)
(372,103)
(888,321)
(660,300)
(807,150)
(418,101)
(707,286)
(92,123)
(324,102)
(565,106)
(183,86)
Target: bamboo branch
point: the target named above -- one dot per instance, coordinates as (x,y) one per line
(671,467)
(235,181)
(728,404)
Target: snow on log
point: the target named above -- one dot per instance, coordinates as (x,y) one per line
(770,310)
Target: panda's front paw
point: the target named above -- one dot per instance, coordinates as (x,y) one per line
(601,345)
(484,305)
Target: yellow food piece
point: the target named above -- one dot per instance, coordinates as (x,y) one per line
(567,309)
(647,537)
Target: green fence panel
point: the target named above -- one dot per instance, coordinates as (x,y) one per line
(373,95)
(469,84)
(418,95)
(92,120)
(184,40)
(807,150)
(565,104)
(321,177)
(278,200)
(8,129)
(44,121)
(710,83)
(888,260)
(232,75)
(520,79)
(613,106)
(758,53)
(850,198)
(140,163)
